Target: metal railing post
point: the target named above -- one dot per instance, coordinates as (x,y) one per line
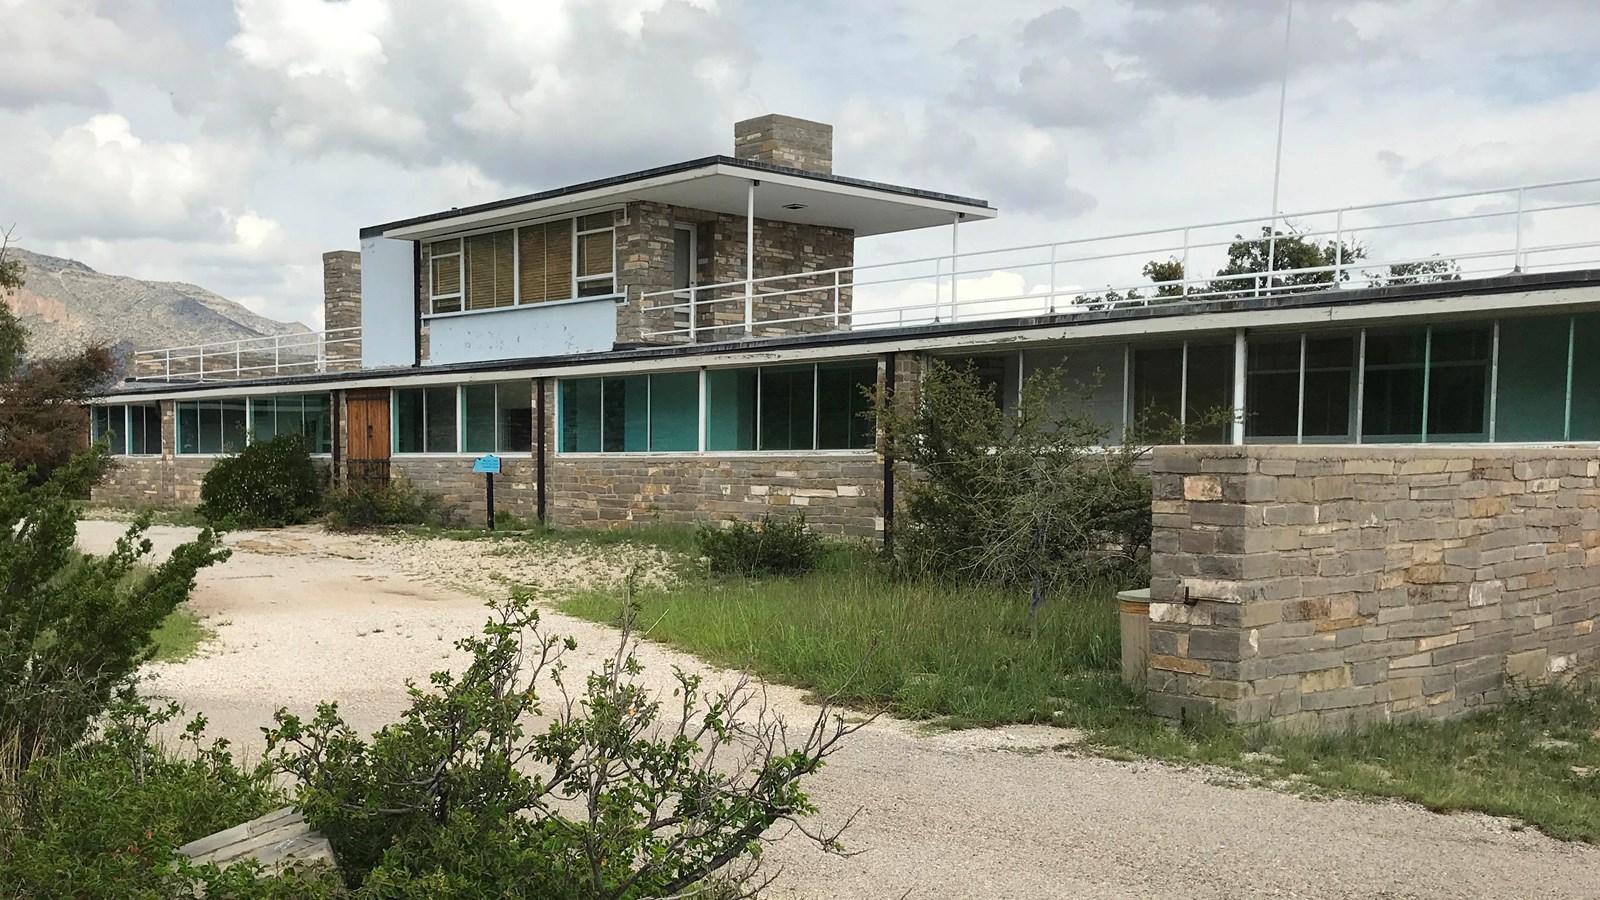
(835,299)
(1052,278)
(1516,259)
(238,358)
(694,314)
(1338,247)
(277,353)
(1184,291)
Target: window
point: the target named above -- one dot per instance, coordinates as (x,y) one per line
(425,420)
(795,407)
(1189,385)
(1276,381)
(1391,407)
(683,257)
(310,415)
(144,430)
(1584,399)
(497,418)
(1157,386)
(212,426)
(109,422)
(1458,384)
(556,260)
(631,414)
(1429,384)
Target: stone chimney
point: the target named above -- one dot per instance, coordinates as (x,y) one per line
(341,308)
(785,141)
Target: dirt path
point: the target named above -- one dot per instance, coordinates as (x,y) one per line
(303,616)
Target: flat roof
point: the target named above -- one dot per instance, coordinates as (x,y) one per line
(1289,310)
(717,184)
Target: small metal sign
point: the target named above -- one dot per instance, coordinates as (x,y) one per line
(486,465)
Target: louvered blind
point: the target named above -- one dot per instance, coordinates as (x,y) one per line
(546,261)
(491,270)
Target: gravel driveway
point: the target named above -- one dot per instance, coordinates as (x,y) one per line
(303,616)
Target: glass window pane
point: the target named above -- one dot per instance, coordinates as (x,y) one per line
(440,427)
(317,424)
(580,415)
(1585,378)
(491,270)
(1091,380)
(594,254)
(1157,386)
(514,401)
(110,422)
(291,417)
(731,409)
(1272,390)
(597,220)
(1330,387)
(1532,401)
(1458,385)
(626,423)
(148,425)
(788,407)
(210,426)
(188,427)
(408,420)
(1210,393)
(1392,395)
(682,257)
(675,411)
(844,405)
(235,430)
(478,422)
(446,270)
(263,418)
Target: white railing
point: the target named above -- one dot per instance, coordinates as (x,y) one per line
(1543,227)
(307,353)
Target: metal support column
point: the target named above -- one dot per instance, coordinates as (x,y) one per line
(1238,385)
(750,258)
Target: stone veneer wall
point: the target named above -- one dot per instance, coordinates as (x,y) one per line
(341,307)
(452,480)
(167,480)
(1319,587)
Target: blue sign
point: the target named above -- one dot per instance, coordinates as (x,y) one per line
(486,465)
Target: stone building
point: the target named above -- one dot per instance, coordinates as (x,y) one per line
(1386,502)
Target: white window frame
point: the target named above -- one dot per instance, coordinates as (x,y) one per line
(575,281)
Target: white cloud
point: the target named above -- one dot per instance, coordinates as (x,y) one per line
(64,50)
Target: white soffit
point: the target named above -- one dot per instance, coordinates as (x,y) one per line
(722,188)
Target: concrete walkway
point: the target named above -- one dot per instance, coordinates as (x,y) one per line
(303,616)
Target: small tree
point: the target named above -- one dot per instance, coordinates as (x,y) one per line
(1034,498)
(73,627)
(619,796)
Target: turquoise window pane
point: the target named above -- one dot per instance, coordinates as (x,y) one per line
(788,407)
(1586,378)
(731,409)
(188,427)
(580,415)
(263,419)
(1532,386)
(844,405)
(479,415)
(408,421)
(675,411)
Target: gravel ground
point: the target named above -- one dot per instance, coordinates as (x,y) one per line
(303,616)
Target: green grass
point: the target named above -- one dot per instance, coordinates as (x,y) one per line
(954,654)
(179,636)
(158,515)
(967,656)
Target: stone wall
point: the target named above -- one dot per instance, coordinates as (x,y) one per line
(451,479)
(164,481)
(341,307)
(785,141)
(1320,587)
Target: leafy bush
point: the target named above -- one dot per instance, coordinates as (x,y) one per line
(105,818)
(769,547)
(1032,497)
(73,627)
(615,798)
(268,484)
(356,505)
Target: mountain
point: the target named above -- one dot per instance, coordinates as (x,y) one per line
(65,306)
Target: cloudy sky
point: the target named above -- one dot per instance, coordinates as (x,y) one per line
(229,144)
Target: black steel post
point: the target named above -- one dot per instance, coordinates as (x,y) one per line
(488,488)
(888,460)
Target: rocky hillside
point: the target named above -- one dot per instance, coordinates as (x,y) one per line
(65,305)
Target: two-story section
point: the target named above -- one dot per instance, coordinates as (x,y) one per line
(758,244)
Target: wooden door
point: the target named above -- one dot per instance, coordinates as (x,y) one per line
(368,440)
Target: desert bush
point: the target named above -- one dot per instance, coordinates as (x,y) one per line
(104,818)
(73,627)
(617,797)
(1036,497)
(768,547)
(268,484)
(355,505)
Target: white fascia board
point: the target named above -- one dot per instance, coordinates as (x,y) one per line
(1346,316)
(851,190)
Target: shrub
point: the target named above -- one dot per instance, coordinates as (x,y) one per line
(73,627)
(769,547)
(104,819)
(1032,498)
(615,798)
(268,484)
(358,504)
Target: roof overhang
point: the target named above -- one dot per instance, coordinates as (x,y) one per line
(718,184)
